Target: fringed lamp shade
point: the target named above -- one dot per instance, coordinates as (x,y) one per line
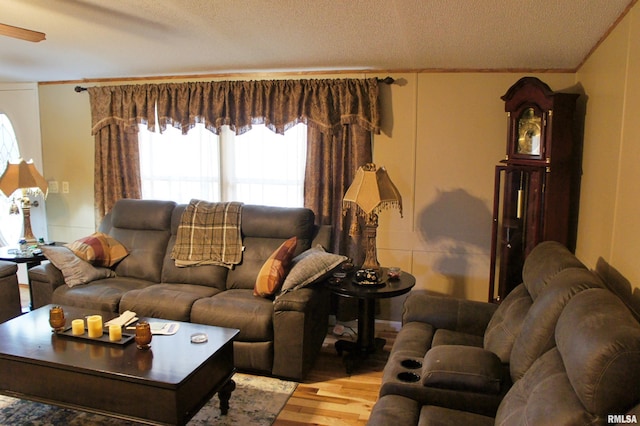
(372,191)
(23,175)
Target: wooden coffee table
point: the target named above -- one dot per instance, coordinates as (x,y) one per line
(166,384)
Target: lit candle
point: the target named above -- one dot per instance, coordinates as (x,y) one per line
(77,327)
(115,333)
(94,326)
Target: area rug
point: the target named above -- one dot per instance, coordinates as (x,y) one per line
(255,401)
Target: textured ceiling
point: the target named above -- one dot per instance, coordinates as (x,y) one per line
(97,39)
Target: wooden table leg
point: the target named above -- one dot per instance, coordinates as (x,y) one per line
(224,395)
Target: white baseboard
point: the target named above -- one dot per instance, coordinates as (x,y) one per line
(393,325)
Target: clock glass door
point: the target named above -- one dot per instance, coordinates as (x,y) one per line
(529,133)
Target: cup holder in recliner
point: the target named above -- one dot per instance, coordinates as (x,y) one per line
(411,364)
(409,377)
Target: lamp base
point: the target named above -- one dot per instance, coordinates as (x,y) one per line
(26,217)
(371,254)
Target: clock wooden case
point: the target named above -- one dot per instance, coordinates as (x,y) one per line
(536,186)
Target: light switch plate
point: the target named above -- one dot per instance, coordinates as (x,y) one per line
(53,186)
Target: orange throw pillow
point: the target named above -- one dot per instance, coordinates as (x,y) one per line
(274,270)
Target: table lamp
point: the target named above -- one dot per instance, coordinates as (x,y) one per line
(371,191)
(24,176)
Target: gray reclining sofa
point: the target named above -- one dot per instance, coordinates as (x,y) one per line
(278,337)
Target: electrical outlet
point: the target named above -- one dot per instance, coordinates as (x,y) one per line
(65,187)
(53,186)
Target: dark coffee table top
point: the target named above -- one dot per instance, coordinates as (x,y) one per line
(169,361)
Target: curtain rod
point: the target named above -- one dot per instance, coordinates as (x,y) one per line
(386,80)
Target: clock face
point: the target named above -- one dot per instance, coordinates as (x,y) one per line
(529,129)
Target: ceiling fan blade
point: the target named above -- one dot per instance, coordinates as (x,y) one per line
(21,33)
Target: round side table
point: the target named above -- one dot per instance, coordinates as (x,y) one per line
(367,343)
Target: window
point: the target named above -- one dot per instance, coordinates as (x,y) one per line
(257,167)
(10,224)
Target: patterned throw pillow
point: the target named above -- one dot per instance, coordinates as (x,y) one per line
(311,266)
(275,269)
(99,249)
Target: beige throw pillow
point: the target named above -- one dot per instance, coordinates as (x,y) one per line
(75,270)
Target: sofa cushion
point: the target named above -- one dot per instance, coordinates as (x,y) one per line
(168,301)
(274,270)
(148,215)
(143,227)
(264,228)
(599,340)
(99,249)
(311,266)
(442,336)
(146,253)
(237,308)
(506,323)
(207,275)
(464,368)
(446,312)
(101,295)
(75,270)
(534,399)
(279,223)
(537,335)
(543,263)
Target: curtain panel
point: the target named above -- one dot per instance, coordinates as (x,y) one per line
(341,115)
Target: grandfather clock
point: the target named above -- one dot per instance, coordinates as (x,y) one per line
(537,184)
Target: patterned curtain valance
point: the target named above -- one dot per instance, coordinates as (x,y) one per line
(325,104)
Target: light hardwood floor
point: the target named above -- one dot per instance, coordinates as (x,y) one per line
(329,396)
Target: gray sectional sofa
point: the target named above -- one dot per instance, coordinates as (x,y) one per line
(560,349)
(279,337)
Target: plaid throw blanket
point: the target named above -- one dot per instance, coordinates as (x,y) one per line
(209,234)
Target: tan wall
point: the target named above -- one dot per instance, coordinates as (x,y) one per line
(609,230)
(448,134)
(443,134)
(67,151)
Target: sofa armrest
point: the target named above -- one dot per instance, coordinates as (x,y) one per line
(450,313)
(300,324)
(10,306)
(464,368)
(44,279)
(297,300)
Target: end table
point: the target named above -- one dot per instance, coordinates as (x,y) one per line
(367,343)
